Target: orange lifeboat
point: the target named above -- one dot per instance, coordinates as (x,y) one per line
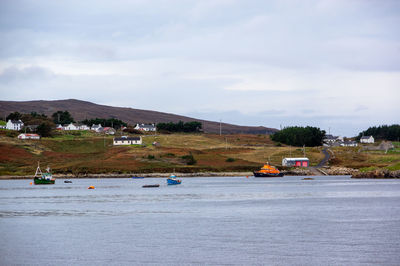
(267,171)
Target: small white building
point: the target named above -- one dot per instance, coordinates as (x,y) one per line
(83,127)
(71,126)
(59,127)
(108,130)
(145,127)
(329,139)
(28,136)
(367,139)
(349,144)
(299,162)
(124,140)
(14,124)
(97,128)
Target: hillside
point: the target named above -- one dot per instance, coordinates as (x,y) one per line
(81,110)
(89,153)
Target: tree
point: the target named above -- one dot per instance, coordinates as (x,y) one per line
(299,136)
(193,126)
(14,116)
(62,117)
(44,129)
(111,122)
(386,132)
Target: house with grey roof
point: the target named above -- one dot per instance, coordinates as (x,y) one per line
(367,139)
(145,127)
(14,124)
(125,140)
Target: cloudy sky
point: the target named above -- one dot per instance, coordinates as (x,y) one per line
(332,64)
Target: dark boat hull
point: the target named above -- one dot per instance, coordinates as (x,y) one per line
(155,185)
(257,174)
(39,181)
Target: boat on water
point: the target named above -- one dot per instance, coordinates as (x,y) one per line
(267,171)
(172,180)
(154,185)
(45,178)
(137,177)
(67,181)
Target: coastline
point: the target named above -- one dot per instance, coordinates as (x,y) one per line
(376,174)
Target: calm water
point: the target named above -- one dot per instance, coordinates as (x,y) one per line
(204,221)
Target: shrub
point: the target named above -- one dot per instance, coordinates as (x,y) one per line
(230,160)
(151,157)
(189,159)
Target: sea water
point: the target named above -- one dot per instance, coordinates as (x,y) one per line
(332,220)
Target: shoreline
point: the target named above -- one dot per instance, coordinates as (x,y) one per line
(377,174)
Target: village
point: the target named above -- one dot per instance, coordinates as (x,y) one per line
(157,151)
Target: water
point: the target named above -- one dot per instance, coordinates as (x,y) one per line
(207,221)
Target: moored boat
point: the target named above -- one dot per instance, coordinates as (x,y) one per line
(154,185)
(137,177)
(43,178)
(172,180)
(267,171)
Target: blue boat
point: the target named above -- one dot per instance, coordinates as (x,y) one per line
(137,177)
(172,180)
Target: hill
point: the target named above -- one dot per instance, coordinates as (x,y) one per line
(81,110)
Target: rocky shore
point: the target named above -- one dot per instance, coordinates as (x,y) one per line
(382,173)
(154,175)
(355,173)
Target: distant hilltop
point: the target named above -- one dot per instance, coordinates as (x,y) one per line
(81,110)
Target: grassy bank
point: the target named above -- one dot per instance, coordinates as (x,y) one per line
(85,153)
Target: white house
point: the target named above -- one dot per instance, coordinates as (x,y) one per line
(108,130)
(124,140)
(71,126)
(349,144)
(59,127)
(145,127)
(28,136)
(14,124)
(301,162)
(329,139)
(97,128)
(367,139)
(83,127)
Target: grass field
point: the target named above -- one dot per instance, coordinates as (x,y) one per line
(84,153)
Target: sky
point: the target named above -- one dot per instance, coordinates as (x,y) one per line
(332,64)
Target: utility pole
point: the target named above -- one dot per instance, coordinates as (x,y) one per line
(220,127)
(226,143)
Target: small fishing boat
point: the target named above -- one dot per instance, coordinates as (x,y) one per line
(137,177)
(43,178)
(267,171)
(172,180)
(154,185)
(67,181)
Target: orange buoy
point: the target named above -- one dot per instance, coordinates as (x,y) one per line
(247,176)
(91,187)
(30,183)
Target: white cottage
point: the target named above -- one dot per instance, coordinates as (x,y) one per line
(145,127)
(28,136)
(97,128)
(14,124)
(367,139)
(124,140)
(71,126)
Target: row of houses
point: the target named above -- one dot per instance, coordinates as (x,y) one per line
(18,125)
(100,129)
(336,141)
